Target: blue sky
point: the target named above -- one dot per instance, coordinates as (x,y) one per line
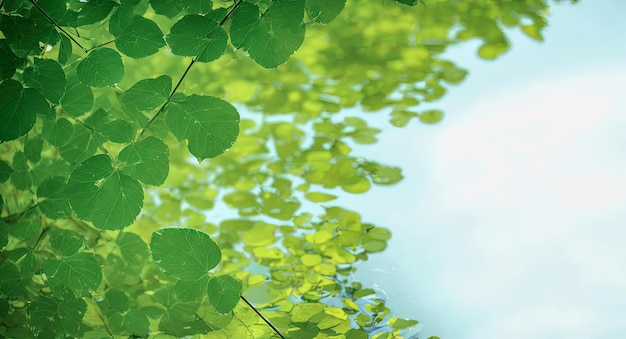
(512,217)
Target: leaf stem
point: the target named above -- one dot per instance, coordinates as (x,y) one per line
(263,317)
(230,12)
(16,216)
(57,25)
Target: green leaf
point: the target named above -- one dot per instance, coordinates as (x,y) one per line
(101,68)
(120,131)
(168,8)
(399,323)
(26,229)
(103,195)
(21,178)
(136,322)
(65,49)
(81,146)
(11,283)
(139,38)
(185,253)
(94,11)
(147,94)
(224,292)
(78,98)
(211,125)
(198,36)
(432,116)
(5,171)
(319,197)
(408,2)
(53,201)
(146,160)
(8,61)
(57,318)
(32,149)
(134,250)
(48,77)
(187,290)
(66,242)
(18,109)
(324,11)
(270,38)
(80,273)
(21,33)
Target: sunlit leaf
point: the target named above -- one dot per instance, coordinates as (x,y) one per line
(224,292)
(146,160)
(185,253)
(80,273)
(210,125)
(101,68)
(197,36)
(324,11)
(139,37)
(272,37)
(103,195)
(147,94)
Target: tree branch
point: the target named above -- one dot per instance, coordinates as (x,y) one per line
(57,25)
(263,317)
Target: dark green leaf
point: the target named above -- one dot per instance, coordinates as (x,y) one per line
(65,49)
(18,109)
(147,94)
(65,242)
(48,77)
(103,195)
(139,38)
(324,11)
(136,322)
(11,283)
(53,202)
(21,33)
(78,98)
(101,68)
(146,160)
(5,171)
(198,6)
(198,36)
(32,149)
(185,253)
(211,125)
(8,61)
(270,38)
(224,292)
(79,272)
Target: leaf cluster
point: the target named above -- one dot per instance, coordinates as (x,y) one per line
(111,228)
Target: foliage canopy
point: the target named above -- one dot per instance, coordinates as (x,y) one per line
(109,227)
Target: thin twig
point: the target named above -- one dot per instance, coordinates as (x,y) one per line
(263,317)
(16,216)
(100,45)
(57,25)
(230,12)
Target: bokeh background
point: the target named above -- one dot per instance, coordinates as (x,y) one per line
(511,220)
